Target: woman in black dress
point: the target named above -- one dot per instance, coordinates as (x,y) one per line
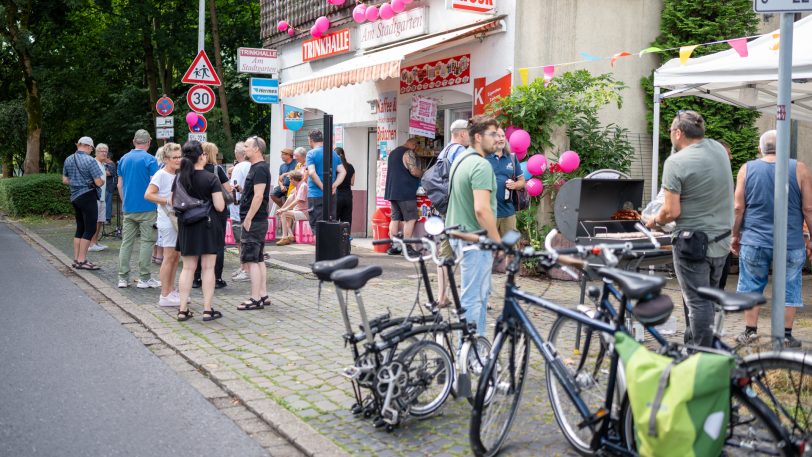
(344,191)
(202,239)
(211,151)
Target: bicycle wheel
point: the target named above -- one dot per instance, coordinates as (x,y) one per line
(476,356)
(499,391)
(586,356)
(430,374)
(783,381)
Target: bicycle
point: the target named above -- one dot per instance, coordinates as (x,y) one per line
(596,426)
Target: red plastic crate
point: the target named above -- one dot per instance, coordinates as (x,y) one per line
(270,235)
(303,233)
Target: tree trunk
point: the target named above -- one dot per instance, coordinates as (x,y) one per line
(8,164)
(218,61)
(150,69)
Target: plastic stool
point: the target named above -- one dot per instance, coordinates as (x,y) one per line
(229,232)
(270,235)
(303,233)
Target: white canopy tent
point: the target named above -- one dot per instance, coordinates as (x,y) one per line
(749,82)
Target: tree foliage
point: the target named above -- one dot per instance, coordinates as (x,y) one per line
(684,23)
(101,65)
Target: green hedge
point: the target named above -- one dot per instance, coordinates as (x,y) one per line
(42,194)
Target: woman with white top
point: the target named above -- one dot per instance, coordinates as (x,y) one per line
(159,191)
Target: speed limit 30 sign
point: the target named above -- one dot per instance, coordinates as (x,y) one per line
(200,98)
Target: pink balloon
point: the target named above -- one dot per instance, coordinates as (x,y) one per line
(569,161)
(282,26)
(407,1)
(537,164)
(509,131)
(398,6)
(322,24)
(315,32)
(336,2)
(191,119)
(372,13)
(519,141)
(534,186)
(521,155)
(291,31)
(359,13)
(386,12)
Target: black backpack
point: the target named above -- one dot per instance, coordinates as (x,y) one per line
(435,180)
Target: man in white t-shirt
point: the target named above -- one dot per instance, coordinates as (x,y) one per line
(159,191)
(101,158)
(238,175)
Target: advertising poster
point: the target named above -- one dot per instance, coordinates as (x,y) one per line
(380,184)
(387,128)
(292,117)
(423,117)
(432,75)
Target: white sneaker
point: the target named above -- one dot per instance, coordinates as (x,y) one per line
(123,283)
(169,301)
(236,273)
(176,294)
(242,277)
(148,284)
(96,248)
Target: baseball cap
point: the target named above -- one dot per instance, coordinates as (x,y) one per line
(86,140)
(459,124)
(141,136)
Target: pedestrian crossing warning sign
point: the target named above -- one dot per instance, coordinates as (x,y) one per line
(201,71)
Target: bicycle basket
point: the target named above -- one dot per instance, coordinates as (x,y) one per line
(686,417)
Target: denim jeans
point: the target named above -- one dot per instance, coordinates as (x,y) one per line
(476,285)
(691,276)
(141,224)
(108,201)
(754,269)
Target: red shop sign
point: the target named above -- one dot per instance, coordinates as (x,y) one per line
(434,75)
(337,42)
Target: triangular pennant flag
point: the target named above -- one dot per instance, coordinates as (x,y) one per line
(775,46)
(740,45)
(589,57)
(649,51)
(523,75)
(685,53)
(549,71)
(617,56)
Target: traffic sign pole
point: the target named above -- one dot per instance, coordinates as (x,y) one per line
(201,24)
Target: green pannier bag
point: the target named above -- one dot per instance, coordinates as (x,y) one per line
(680,408)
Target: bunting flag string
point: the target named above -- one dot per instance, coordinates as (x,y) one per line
(740,45)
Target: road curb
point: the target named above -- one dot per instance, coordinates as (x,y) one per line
(287,424)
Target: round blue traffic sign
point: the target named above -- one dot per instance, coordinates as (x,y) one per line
(164,106)
(200,125)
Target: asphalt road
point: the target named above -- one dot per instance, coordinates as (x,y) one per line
(74,382)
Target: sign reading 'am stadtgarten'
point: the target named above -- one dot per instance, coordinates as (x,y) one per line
(407,24)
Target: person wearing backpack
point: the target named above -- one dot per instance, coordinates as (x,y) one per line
(472,206)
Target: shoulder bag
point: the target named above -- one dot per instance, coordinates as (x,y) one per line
(519,197)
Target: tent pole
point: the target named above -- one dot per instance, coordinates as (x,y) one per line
(782,118)
(655,146)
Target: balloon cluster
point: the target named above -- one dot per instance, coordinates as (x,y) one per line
(363,13)
(536,165)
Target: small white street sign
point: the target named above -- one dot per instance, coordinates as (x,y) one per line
(201,137)
(164,133)
(782,6)
(164,122)
(256,60)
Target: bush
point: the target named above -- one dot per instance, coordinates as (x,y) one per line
(34,195)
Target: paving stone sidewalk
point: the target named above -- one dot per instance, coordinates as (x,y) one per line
(284,362)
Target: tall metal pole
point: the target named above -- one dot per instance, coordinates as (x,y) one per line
(201,24)
(327,169)
(655,146)
(783,117)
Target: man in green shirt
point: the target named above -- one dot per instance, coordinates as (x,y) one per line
(699,197)
(472,206)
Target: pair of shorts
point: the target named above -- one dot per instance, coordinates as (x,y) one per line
(102,211)
(754,270)
(404,210)
(279,192)
(297,215)
(167,237)
(252,243)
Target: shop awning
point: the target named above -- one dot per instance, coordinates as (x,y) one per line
(377,65)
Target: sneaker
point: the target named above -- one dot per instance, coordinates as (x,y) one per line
(148,284)
(242,277)
(412,252)
(123,283)
(176,294)
(97,248)
(745,338)
(169,301)
(197,283)
(236,272)
(393,251)
(791,342)
(219,284)
(284,242)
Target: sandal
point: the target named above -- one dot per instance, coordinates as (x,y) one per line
(266,301)
(211,315)
(86,265)
(157,260)
(185,315)
(251,304)
(74,264)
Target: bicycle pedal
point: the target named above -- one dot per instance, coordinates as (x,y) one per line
(593,419)
(351,372)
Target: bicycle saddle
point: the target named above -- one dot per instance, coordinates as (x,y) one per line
(731,301)
(655,311)
(634,285)
(356,278)
(324,268)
